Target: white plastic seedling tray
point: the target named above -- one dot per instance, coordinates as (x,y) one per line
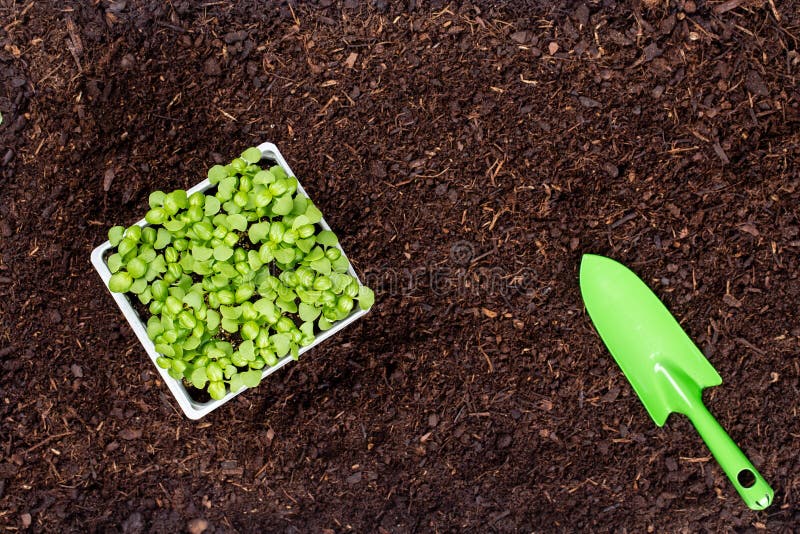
(192,408)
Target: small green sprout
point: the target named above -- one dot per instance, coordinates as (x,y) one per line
(204,268)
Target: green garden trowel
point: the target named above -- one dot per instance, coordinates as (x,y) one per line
(663,365)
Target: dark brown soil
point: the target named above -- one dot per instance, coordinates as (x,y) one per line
(467,155)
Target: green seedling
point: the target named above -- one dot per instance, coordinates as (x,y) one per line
(205,268)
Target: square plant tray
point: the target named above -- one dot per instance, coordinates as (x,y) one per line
(192,408)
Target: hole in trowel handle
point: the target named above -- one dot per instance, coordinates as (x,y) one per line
(746,478)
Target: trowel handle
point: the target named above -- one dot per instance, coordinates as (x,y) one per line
(755,491)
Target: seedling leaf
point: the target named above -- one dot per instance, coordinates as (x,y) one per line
(258,232)
(322,266)
(212,206)
(163,238)
(313,213)
(115,235)
(229,325)
(308,312)
(252,155)
(327,238)
(222,253)
(366,297)
(236,382)
(247,350)
(156,199)
(251,379)
(237,221)
(201,253)
(281,344)
(217,173)
(193,300)
(199,378)
(284,255)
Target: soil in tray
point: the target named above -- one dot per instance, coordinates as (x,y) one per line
(466,155)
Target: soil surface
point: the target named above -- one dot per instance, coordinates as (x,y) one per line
(467,155)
